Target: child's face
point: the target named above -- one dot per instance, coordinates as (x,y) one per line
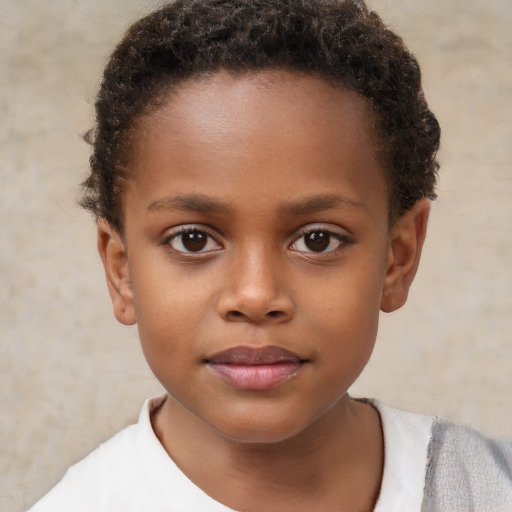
(256,216)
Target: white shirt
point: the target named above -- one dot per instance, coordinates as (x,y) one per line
(406,441)
(132,472)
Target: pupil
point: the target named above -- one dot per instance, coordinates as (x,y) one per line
(194,241)
(317,241)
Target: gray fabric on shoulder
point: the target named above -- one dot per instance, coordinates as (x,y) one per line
(467,471)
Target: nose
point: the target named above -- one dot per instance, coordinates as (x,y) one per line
(255,290)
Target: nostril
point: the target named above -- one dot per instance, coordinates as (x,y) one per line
(235,314)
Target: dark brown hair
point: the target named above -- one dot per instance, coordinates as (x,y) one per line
(341,41)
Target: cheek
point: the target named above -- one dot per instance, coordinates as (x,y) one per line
(346,341)
(348,298)
(170,309)
(347,332)
(344,313)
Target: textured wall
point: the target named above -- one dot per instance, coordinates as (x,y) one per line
(70,376)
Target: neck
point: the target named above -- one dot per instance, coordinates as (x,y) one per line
(334,464)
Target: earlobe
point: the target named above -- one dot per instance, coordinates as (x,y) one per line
(113,254)
(404,252)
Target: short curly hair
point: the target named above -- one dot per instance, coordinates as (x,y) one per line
(339,40)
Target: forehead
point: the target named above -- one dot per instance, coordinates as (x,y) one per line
(273,129)
(226,103)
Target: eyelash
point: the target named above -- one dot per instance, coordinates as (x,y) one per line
(200,230)
(191,229)
(342,239)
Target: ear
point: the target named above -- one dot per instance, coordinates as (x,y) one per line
(404,252)
(112,250)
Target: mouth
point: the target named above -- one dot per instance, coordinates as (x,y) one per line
(248,368)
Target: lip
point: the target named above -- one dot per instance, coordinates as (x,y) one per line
(249,368)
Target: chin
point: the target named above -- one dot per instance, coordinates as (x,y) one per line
(260,430)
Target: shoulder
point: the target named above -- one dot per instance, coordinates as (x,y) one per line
(467,470)
(433,465)
(85,483)
(111,476)
(406,440)
(130,472)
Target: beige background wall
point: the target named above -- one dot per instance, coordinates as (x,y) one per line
(70,376)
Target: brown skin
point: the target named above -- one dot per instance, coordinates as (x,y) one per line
(276,152)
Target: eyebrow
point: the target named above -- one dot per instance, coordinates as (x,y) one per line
(203,204)
(319,203)
(190,203)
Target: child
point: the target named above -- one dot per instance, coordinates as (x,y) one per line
(261,176)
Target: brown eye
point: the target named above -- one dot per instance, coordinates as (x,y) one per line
(193,240)
(317,241)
